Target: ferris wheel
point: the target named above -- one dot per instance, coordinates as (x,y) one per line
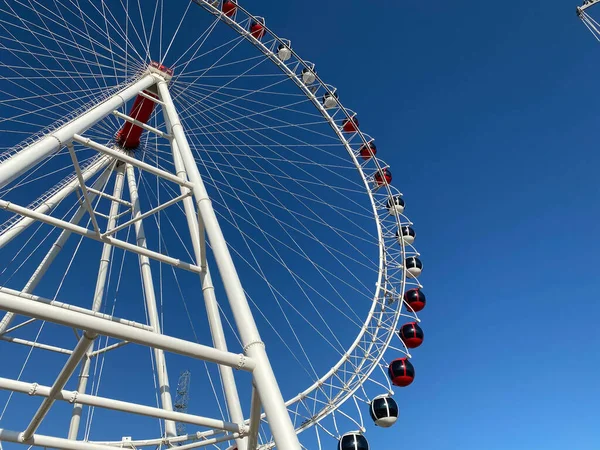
(181,191)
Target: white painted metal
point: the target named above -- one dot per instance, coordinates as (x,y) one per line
(587,4)
(78,354)
(255,409)
(107,327)
(129,119)
(98,297)
(51,348)
(280,423)
(86,198)
(111,230)
(35,389)
(120,155)
(92,234)
(208,292)
(39,440)
(54,141)
(65,306)
(49,204)
(150,297)
(52,253)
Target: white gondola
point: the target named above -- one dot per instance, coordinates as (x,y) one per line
(395,205)
(413,266)
(384,411)
(353,441)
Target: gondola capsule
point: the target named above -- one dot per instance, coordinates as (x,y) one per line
(229,7)
(383,176)
(406,234)
(350,125)
(395,205)
(413,266)
(353,441)
(411,334)
(367,151)
(401,372)
(257,29)
(308,75)
(284,52)
(384,411)
(330,100)
(415,298)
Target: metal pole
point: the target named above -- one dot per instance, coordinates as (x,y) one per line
(53,252)
(49,204)
(280,423)
(55,140)
(148,285)
(68,369)
(98,296)
(35,389)
(255,408)
(120,330)
(210,300)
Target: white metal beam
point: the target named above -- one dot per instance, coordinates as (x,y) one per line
(35,389)
(76,319)
(119,154)
(39,440)
(103,270)
(150,297)
(92,234)
(279,419)
(78,354)
(49,204)
(53,141)
(54,250)
(208,292)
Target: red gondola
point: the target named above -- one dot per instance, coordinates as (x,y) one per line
(229,7)
(401,372)
(383,176)
(415,299)
(350,125)
(257,29)
(367,151)
(411,334)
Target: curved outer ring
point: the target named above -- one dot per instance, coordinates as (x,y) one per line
(384,285)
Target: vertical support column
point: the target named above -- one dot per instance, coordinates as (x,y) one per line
(210,299)
(54,251)
(98,296)
(281,425)
(159,355)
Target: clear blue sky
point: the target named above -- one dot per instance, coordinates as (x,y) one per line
(486,113)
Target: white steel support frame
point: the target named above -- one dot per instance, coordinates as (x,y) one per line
(54,141)
(264,379)
(208,291)
(149,294)
(98,297)
(56,247)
